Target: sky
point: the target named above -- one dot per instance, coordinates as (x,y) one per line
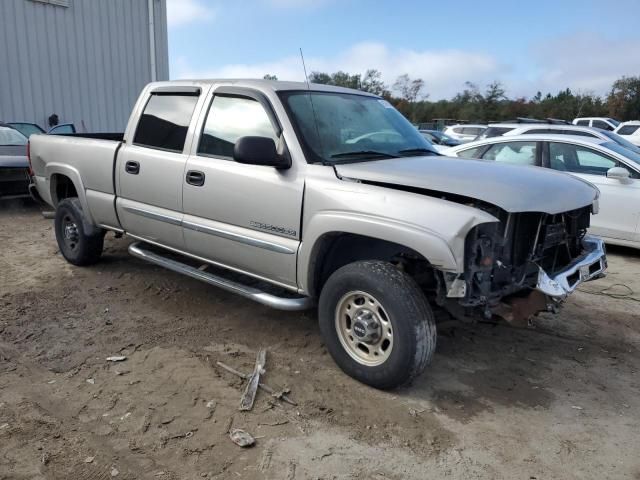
(529,46)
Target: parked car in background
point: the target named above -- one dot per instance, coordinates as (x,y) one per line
(28,128)
(605,123)
(440,141)
(259,177)
(464,132)
(14,165)
(614,169)
(589,132)
(501,128)
(630,131)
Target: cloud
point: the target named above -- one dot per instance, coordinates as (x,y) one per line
(184,12)
(584,62)
(444,71)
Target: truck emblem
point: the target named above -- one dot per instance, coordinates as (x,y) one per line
(273,228)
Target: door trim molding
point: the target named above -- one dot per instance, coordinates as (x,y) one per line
(153,215)
(198,227)
(238,237)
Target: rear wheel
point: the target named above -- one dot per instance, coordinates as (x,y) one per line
(377,324)
(80,243)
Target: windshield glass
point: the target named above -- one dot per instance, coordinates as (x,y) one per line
(621,141)
(339,127)
(613,121)
(27,129)
(625,152)
(10,137)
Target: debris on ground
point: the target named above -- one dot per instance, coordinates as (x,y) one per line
(263,386)
(241,438)
(249,395)
(117,358)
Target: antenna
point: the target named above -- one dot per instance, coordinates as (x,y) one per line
(313,110)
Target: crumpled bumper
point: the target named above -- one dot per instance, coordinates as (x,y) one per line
(590,265)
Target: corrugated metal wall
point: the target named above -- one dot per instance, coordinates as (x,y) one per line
(87,62)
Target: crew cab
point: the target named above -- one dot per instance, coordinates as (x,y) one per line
(296,195)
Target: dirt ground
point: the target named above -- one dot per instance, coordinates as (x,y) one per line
(559,401)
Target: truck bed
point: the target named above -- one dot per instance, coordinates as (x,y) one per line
(88,159)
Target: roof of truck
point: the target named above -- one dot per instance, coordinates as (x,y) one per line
(275,85)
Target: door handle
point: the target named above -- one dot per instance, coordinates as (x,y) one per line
(132,167)
(195,178)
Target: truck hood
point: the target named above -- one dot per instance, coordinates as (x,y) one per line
(513,188)
(13,156)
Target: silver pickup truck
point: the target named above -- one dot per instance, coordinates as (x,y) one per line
(297,195)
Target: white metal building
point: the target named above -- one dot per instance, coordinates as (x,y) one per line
(84,60)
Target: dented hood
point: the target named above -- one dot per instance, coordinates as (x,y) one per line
(513,188)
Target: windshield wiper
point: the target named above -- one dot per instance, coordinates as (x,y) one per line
(362,153)
(418,151)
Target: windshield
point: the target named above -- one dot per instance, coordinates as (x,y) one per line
(11,137)
(613,121)
(339,127)
(626,153)
(621,141)
(27,129)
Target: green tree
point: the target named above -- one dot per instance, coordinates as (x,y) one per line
(624,99)
(372,83)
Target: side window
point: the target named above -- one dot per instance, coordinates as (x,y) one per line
(628,129)
(165,121)
(517,153)
(583,123)
(230,118)
(579,133)
(602,125)
(458,130)
(471,152)
(535,131)
(577,159)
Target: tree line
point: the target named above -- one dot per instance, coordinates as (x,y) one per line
(490,104)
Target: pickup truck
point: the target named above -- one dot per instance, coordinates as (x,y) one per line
(298,195)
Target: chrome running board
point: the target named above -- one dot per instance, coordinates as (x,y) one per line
(281,303)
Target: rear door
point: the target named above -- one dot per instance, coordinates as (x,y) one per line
(515,153)
(246,217)
(619,201)
(151,164)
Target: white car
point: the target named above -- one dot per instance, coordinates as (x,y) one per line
(465,132)
(614,169)
(630,131)
(605,123)
(589,132)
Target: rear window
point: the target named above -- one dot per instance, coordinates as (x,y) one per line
(495,131)
(602,124)
(628,129)
(165,121)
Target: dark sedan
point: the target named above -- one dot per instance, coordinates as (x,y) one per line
(14,165)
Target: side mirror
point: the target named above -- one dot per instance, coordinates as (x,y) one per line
(619,173)
(259,151)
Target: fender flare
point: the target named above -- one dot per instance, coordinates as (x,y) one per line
(427,243)
(72,174)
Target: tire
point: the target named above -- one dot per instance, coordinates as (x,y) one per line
(79,242)
(362,294)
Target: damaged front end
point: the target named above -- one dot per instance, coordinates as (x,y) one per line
(526,263)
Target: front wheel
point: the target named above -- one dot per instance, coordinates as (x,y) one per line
(377,324)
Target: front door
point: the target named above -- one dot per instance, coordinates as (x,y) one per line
(619,201)
(150,170)
(245,217)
